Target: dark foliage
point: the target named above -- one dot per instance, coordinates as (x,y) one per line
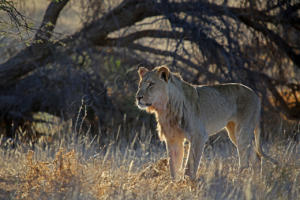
(253,42)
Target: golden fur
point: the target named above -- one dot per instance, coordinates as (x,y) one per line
(188,112)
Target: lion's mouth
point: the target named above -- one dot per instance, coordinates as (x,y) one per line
(143,105)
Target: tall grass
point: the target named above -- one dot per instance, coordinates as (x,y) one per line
(74,166)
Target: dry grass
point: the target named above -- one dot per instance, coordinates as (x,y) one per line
(74,167)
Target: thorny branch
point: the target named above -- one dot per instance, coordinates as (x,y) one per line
(129,12)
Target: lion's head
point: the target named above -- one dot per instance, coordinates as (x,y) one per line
(153,88)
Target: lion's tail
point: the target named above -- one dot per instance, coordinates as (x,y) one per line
(259,150)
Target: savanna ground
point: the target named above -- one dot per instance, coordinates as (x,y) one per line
(74,166)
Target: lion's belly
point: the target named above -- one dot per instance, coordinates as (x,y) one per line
(215,120)
(215,109)
(215,127)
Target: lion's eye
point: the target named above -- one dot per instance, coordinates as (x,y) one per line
(151,84)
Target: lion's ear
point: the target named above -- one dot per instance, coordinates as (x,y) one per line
(142,71)
(164,73)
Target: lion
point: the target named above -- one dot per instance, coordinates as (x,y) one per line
(194,112)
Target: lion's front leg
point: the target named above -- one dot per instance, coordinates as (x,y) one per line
(196,147)
(175,150)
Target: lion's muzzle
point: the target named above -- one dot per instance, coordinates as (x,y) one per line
(141,103)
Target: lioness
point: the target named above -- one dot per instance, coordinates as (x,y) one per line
(185,111)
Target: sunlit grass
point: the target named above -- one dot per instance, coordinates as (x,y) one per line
(75,167)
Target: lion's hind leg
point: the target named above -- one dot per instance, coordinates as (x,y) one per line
(244,138)
(259,150)
(230,127)
(243,144)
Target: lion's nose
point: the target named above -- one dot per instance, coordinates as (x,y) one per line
(139,97)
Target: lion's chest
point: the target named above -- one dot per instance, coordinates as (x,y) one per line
(169,128)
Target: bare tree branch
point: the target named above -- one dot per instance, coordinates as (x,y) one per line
(126,14)
(16,17)
(49,21)
(31,57)
(142,48)
(251,18)
(282,45)
(123,41)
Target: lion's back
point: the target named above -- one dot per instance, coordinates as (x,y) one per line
(233,93)
(243,96)
(221,103)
